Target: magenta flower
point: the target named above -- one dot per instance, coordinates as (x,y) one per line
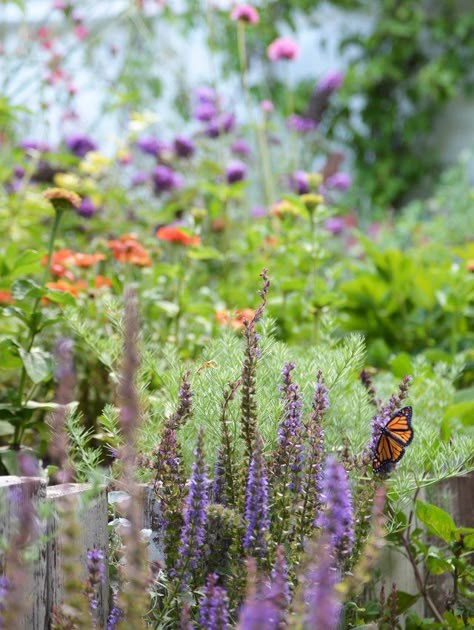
(335,225)
(283,48)
(299,183)
(331,81)
(205,111)
(246,13)
(300,123)
(205,94)
(240,147)
(267,106)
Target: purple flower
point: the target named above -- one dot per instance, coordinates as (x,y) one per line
(224,123)
(140,177)
(184,146)
(205,111)
(256,503)
(205,94)
(299,182)
(260,610)
(331,81)
(300,123)
(289,456)
(35,145)
(280,586)
(114,616)
(339,181)
(324,607)
(96,575)
(336,518)
(214,607)
(80,144)
(241,147)
(87,208)
(335,225)
(150,145)
(165,178)
(195,515)
(236,171)
(258,211)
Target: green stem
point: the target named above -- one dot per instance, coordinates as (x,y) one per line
(33,325)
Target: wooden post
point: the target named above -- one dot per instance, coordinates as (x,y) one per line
(88,507)
(151,516)
(12,491)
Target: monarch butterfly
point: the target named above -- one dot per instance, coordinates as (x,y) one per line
(395,436)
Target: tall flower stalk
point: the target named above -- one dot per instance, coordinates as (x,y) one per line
(256,515)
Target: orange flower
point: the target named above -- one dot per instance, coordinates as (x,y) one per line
(175,235)
(223,318)
(55,195)
(102,281)
(6,296)
(470,265)
(69,287)
(271,240)
(127,249)
(62,258)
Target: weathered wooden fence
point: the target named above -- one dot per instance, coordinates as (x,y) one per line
(89,506)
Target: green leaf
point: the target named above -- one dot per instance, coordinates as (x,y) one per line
(405,601)
(6,428)
(60,297)
(437,521)
(26,288)
(464,411)
(401,365)
(464,395)
(37,363)
(469,541)
(204,253)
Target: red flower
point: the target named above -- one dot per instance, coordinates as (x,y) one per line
(175,235)
(6,296)
(127,249)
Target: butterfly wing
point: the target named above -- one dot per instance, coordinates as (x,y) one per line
(396,434)
(399,427)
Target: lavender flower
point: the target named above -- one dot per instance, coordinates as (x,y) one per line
(299,182)
(87,208)
(185,402)
(166,179)
(324,607)
(280,591)
(184,146)
(240,147)
(195,517)
(256,503)
(114,616)
(80,144)
(337,518)
(214,607)
(289,455)
(236,171)
(96,575)
(299,123)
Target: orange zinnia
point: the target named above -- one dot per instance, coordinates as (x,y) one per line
(64,257)
(241,314)
(68,287)
(6,296)
(175,235)
(102,281)
(127,249)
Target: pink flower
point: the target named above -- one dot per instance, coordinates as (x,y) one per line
(267,106)
(283,48)
(81,31)
(246,13)
(331,81)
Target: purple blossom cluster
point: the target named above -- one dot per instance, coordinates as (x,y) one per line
(195,517)
(214,606)
(256,517)
(323,604)
(336,517)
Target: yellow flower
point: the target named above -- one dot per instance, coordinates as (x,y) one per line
(94,163)
(67,180)
(282,207)
(314,180)
(311,200)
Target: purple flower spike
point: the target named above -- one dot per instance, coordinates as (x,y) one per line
(339,181)
(236,172)
(280,586)
(331,81)
(195,515)
(324,607)
(214,608)
(300,123)
(166,179)
(299,182)
(80,144)
(337,517)
(184,146)
(256,503)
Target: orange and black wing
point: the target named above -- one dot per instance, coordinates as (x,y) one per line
(399,426)
(388,451)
